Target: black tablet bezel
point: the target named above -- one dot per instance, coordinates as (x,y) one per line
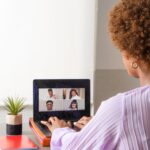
(60,83)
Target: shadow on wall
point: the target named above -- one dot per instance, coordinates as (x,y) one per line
(108,83)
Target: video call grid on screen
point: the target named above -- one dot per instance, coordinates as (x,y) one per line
(59,90)
(61,99)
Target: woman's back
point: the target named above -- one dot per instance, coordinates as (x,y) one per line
(135,124)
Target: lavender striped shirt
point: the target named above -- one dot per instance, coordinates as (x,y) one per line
(121,123)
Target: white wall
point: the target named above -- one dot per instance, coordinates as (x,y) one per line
(44,39)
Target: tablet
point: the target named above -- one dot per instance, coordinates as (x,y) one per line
(68,99)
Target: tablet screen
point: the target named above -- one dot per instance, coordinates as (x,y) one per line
(61,99)
(67,99)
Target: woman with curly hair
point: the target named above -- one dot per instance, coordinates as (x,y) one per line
(122,122)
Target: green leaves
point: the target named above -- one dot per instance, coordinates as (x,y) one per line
(14,105)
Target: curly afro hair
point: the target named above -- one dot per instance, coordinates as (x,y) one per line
(129,27)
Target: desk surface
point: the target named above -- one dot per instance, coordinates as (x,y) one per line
(27,113)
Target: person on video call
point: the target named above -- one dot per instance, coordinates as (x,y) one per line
(73,105)
(74,94)
(49,105)
(123,121)
(51,95)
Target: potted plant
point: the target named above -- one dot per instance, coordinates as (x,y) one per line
(13,119)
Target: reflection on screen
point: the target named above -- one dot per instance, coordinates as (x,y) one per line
(60,99)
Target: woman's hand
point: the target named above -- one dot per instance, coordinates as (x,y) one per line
(82,122)
(54,122)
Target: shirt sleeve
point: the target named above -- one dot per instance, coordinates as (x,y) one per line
(59,135)
(102,132)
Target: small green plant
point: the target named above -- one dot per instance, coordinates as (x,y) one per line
(14,105)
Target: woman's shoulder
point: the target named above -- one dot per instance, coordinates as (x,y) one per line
(121,96)
(114,100)
(138,90)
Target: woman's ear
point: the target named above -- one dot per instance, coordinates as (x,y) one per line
(134,65)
